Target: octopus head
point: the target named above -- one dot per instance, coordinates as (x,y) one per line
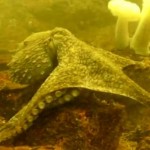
(38,55)
(61,38)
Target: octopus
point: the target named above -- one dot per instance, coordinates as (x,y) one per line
(67,67)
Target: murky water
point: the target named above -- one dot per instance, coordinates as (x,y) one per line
(92,22)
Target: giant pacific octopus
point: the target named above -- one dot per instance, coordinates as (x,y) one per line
(68,67)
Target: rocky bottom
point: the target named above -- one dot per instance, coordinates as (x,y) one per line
(80,125)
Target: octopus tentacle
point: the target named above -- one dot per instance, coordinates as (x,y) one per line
(24,118)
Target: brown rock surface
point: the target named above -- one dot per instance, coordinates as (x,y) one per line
(81,124)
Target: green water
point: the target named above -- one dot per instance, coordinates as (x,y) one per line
(20,18)
(89,20)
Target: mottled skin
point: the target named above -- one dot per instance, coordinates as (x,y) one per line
(75,66)
(34,59)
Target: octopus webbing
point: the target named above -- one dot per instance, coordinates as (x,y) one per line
(67,66)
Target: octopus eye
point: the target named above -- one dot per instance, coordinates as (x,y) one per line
(21,46)
(53,44)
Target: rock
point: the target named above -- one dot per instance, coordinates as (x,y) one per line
(82,124)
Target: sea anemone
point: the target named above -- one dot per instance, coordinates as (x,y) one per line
(141,38)
(126,12)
